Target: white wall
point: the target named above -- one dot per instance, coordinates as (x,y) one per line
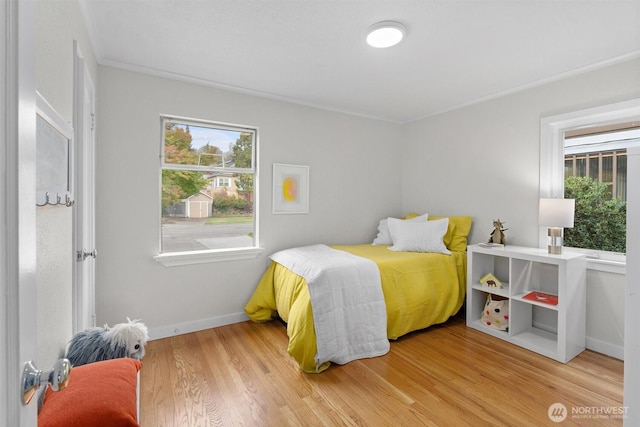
(354,181)
(492,149)
(488,156)
(58,24)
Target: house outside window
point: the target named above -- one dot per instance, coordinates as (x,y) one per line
(222,182)
(208,187)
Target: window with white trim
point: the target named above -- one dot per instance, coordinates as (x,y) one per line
(222,182)
(196,216)
(596,177)
(597,159)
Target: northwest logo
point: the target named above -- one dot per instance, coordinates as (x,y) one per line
(557,412)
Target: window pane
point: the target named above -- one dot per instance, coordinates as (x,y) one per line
(581,166)
(568,166)
(204,146)
(621,178)
(594,170)
(607,173)
(206,202)
(607,168)
(600,216)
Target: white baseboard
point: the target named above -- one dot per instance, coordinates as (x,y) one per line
(604,347)
(198,325)
(213,322)
(592,344)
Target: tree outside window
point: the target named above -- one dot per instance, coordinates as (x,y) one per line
(196,213)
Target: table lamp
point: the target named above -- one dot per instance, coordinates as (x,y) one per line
(556,214)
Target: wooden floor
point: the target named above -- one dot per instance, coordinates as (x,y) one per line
(450,375)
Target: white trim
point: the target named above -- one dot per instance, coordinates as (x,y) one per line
(541,82)
(183,120)
(198,325)
(606,348)
(170,259)
(174,259)
(552,131)
(632,294)
(161,332)
(247,91)
(47,112)
(84,312)
(239,89)
(5,105)
(18,323)
(615,267)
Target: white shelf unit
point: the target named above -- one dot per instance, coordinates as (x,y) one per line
(555,331)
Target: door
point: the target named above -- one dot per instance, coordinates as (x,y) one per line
(84,207)
(18,326)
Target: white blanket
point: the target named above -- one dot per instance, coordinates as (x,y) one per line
(349,311)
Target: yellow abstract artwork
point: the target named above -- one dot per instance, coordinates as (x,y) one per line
(290,189)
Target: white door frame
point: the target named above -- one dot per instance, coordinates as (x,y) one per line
(18,324)
(84,208)
(632,293)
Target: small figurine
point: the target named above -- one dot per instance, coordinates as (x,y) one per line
(497,235)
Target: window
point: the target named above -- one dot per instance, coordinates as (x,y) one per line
(208,188)
(222,182)
(609,168)
(596,176)
(603,162)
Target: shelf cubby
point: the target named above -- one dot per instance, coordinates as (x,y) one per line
(556,331)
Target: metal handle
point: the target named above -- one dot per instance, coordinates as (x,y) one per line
(83,254)
(32,378)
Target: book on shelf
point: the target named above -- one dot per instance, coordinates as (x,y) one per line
(542,297)
(491,245)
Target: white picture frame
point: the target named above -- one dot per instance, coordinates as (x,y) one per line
(290,189)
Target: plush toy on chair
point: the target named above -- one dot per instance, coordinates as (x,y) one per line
(96,344)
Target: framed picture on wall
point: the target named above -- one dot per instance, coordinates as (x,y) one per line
(290,189)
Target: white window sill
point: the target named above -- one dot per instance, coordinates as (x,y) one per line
(174,259)
(617,267)
(607,262)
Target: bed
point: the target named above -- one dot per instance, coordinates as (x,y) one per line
(419,288)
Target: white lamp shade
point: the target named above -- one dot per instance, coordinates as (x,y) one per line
(556,212)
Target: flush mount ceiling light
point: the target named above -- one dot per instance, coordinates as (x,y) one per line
(385,34)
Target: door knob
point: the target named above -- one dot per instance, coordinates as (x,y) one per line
(32,378)
(82,255)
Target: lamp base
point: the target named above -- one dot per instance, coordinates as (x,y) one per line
(554,250)
(555,241)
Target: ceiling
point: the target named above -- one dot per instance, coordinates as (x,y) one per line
(313,52)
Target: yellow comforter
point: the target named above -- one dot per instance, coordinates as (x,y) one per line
(420,290)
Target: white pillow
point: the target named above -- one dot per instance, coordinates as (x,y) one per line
(384,238)
(412,236)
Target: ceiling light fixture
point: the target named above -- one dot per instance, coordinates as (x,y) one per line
(385,34)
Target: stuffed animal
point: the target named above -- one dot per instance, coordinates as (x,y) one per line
(497,235)
(96,344)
